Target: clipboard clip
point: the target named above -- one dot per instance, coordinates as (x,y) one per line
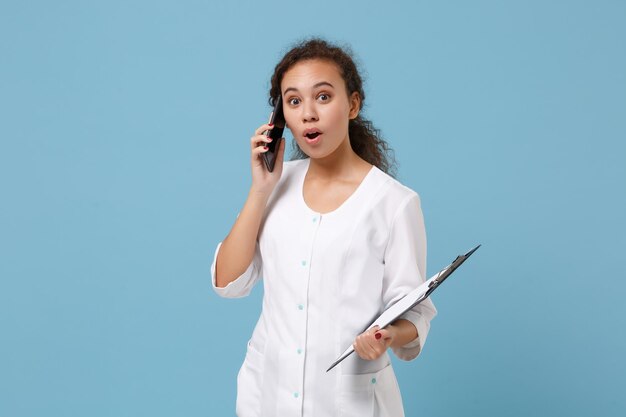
(446,272)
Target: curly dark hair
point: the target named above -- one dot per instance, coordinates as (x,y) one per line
(365,139)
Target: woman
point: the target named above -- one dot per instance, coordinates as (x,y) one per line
(336,240)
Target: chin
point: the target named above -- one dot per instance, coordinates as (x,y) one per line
(311,153)
(319,151)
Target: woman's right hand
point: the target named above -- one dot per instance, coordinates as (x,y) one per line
(263,181)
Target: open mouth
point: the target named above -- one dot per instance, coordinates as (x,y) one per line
(312,135)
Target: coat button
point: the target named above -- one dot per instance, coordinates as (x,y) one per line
(296,395)
(300,307)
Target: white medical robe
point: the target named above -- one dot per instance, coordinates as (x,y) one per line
(326,277)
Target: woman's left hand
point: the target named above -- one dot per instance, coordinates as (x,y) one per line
(374,342)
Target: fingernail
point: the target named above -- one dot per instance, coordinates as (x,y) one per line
(265,148)
(377,336)
(271,124)
(269,139)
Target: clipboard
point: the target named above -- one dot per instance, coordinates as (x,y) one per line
(410,300)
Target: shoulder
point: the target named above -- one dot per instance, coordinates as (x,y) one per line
(389,201)
(395,194)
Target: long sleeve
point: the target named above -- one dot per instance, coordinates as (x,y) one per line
(405,270)
(241,286)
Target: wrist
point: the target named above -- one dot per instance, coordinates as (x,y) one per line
(403,332)
(259,194)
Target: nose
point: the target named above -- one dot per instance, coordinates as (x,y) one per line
(309,113)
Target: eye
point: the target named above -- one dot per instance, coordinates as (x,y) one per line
(293,101)
(324,97)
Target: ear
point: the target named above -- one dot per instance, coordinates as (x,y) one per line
(355,105)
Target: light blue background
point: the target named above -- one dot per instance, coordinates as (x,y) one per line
(124,130)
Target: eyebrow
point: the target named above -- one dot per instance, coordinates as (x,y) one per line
(315,86)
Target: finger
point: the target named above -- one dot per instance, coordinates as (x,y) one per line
(261,129)
(378,341)
(380,345)
(259,139)
(367,346)
(384,337)
(259,150)
(359,348)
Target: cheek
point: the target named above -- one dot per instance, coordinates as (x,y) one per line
(337,118)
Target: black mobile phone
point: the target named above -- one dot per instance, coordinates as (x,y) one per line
(276,133)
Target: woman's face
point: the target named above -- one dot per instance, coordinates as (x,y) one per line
(317,107)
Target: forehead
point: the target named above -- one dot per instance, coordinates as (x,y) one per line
(306,74)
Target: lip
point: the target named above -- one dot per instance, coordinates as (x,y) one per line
(314,140)
(311,130)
